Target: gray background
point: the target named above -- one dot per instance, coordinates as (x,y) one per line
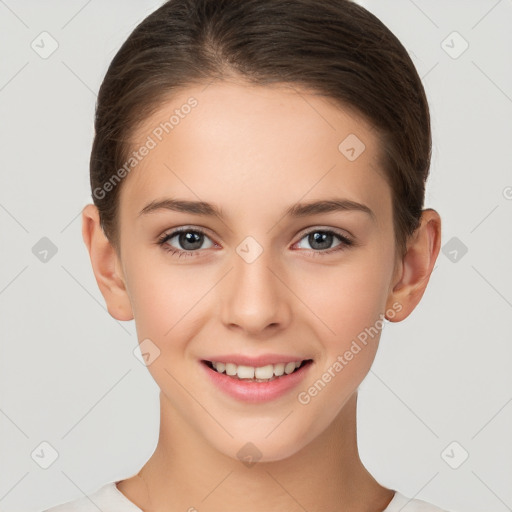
(68,374)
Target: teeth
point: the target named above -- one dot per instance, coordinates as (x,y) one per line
(264,372)
(268,372)
(279,369)
(289,368)
(245,372)
(230,369)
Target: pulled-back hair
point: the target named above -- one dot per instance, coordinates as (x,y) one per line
(335,48)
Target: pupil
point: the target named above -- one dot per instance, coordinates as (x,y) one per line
(324,239)
(190,237)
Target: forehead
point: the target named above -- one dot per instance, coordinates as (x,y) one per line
(232,143)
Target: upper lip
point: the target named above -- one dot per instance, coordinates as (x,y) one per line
(257,361)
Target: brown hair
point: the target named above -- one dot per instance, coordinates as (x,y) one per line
(335,48)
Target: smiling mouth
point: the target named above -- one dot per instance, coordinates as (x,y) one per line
(266,373)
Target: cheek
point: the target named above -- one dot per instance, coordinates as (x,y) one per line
(349,303)
(168,311)
(346,299)
(167,299)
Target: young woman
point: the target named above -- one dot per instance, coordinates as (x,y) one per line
(258,175)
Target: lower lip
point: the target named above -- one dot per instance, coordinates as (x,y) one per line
(257,392)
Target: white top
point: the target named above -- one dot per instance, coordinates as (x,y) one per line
(110,499)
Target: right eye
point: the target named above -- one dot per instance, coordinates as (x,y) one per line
(190,239)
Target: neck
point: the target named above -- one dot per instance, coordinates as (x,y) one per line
(184,473)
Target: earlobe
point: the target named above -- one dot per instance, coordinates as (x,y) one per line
(105,265)
(417,265)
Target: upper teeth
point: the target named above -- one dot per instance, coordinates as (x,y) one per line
(260,372)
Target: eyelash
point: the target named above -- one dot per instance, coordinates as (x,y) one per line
(345,241)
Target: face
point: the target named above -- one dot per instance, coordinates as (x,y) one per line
(258,279)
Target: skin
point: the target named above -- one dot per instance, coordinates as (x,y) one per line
(254,151)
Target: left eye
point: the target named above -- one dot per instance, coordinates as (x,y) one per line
(322,240)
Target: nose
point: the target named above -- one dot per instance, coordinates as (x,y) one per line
(254,298)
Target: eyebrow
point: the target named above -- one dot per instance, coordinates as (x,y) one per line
(296,210)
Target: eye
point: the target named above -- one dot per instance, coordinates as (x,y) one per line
(190,239)
(320,241)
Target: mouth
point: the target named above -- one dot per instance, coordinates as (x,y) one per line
(267,373)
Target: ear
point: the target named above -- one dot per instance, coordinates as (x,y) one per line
(413,272)
(106,265)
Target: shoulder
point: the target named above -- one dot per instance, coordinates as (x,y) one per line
(400,502)
(107,499)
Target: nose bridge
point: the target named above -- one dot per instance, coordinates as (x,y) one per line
(255,297)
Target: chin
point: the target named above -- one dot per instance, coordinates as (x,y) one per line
(263,448)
